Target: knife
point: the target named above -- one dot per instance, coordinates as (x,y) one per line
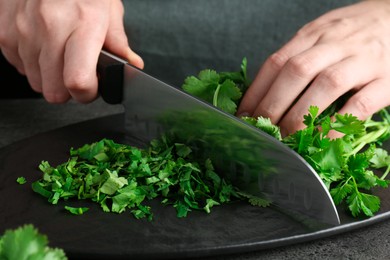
(252,160)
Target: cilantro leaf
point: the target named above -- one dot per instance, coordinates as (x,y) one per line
(21,180)
(309,119)
(340,192)
(204,86)
(362,202)
(223,90)
(348,124)
(380,158)
(25,242)
(264,124)
(226,95)
(76,210)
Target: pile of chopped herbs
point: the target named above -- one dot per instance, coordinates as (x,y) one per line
(121,177)
(26,243)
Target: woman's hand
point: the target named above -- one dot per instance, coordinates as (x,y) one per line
(56,44)
(345,50)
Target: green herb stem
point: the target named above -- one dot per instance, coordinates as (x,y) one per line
(385,173)
(215,97)
(368,138)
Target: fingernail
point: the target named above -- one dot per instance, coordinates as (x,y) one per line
(283,132)
(243,114)
(134,59)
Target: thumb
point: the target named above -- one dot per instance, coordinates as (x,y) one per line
(116,39)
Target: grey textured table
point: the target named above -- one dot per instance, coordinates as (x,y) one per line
(23,118)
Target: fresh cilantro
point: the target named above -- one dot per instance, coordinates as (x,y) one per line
(344,164)
(76,211)
(264,124)
(21,180)
(120,177)
(25,242)
(223,90)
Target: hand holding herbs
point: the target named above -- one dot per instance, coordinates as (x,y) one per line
(346,165)
(120,177)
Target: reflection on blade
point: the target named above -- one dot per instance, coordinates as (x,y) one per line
(252,160)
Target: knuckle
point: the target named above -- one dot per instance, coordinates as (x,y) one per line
(22,25)
(333,78)
(300,66)
(305,30)
(93,12)
(269,111)
(346,23)
(378,47)
(263,111)
(292,123)
(78,83)
(278,60)
(48,17)
(364,104)
(309,29)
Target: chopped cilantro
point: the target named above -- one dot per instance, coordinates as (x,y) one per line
(76,211)
(128,177)
(21,180)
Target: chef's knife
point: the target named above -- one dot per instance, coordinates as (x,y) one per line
(252,160)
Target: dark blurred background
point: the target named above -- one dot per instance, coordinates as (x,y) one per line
(12,84)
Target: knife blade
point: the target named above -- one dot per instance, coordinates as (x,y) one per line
(252,160)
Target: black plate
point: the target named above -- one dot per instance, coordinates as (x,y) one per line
(233,228)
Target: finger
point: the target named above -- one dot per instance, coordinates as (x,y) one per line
(260,85)
(116,40)
(353,10)
(29,50)
(55,29)
(271,69)
(339,14)
(32,68)
(134,59)
(298,72)
(309,35)
(368,100)
(51,64)
(329,85)
(28,42)
(80,60)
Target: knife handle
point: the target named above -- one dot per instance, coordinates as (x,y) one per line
(110,78)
